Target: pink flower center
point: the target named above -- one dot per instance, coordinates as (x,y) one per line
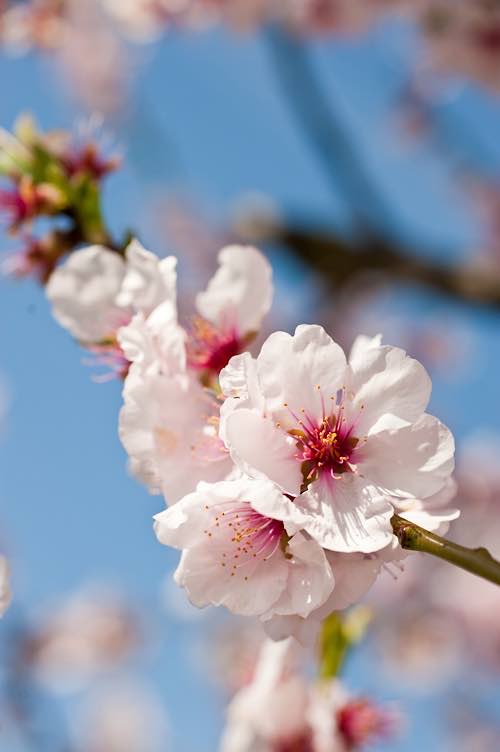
(244,535)
(360,722)
(211,349)
(302,743)
(327,448)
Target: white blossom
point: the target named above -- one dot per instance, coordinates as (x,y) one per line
(340,437)
(238,555)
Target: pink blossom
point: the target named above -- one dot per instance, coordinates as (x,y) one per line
(239,555)
(341,438)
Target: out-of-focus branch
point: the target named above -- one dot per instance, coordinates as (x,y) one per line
(330,138)
(339,263)
(479,561)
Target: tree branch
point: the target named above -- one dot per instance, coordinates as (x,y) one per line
(476,560)
(340,263)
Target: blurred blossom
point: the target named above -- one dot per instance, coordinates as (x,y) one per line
(84,636)
(235,645)
(282,711)
(93,59)
(124,717)
(463,37)
(33,24)
(5,593)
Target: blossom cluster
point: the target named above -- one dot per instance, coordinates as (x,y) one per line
(281,471)
(51,176)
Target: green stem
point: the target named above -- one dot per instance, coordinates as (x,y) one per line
(479,561)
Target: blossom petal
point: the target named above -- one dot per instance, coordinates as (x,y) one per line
(345,515)
(310,578)
(386,381)
(260,448)
(148,280)
(240,293)
(411,461)
(300,373)
(83,293)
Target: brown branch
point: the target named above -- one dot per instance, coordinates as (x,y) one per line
(339,263)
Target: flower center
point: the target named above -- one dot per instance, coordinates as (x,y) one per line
(211,349)
(360,722)
(301,743)
(327,448)
(244,536)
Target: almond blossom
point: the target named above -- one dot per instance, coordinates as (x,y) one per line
(169,421)
(343,438)
(240,550)
(280,711)
(96,291)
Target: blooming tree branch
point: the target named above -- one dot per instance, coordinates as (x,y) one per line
(479,561)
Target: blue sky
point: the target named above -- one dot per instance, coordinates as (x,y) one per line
(209,118)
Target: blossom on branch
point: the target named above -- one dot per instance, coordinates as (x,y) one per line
(343,438)
(169,423)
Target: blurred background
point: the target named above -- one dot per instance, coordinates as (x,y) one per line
(356,142)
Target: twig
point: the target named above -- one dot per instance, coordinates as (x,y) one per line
(479,561)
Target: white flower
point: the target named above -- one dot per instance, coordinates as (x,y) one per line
(271,710)
(340,437)
(96,291)
(237,555)
(168,426)
(5,593)
(230,312)
(169,422)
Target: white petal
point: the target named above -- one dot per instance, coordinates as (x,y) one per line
(302,372)
(310,579)
(433,513)
(344,515)
(148,281)
(165,428)
(412,461)
(354,575)
(83,293)
(262,449)
(385,381)
(240,293)
(206,582)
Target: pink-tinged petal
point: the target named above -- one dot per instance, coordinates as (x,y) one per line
(385,381)
(149,280)
(83,293)
(433,513)
(411,461)
(343,514)
(181,524)
(260,448)
(354,575)
(310,578)
(166,426)
(239,380)
(299,373)
(240,293)
(206,583)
